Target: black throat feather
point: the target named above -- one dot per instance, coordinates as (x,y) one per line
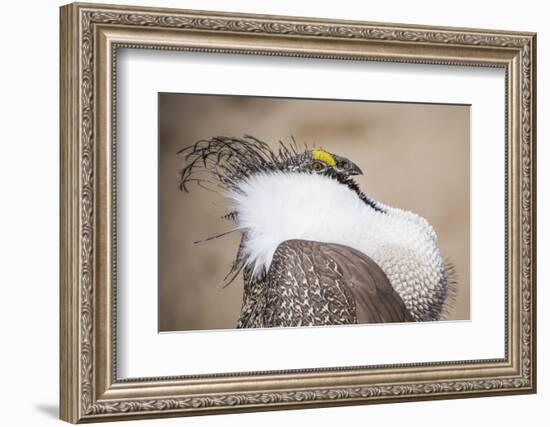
(352,185)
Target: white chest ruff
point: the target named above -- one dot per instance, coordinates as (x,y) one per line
(274,207)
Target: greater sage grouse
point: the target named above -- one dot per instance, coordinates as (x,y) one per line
(315,249)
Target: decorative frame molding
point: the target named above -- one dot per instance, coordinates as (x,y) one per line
(90,36)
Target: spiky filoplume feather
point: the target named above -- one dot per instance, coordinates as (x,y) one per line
(260,181)
(232,160)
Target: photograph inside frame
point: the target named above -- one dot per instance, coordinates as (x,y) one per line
(290,212)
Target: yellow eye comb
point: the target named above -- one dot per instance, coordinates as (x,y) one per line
(323,156)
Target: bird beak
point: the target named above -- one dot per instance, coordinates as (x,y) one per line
(355,170)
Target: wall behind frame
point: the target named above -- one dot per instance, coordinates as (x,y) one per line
(29,173)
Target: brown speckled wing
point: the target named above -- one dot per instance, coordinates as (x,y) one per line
(313,283)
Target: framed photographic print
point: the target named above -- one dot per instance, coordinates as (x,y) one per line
(265,212)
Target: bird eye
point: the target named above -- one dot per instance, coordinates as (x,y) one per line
(318,166)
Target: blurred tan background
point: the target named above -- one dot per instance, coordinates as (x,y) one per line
(415,157)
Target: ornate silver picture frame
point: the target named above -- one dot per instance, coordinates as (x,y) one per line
(92,36)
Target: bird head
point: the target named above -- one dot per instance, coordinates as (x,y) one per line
(231,161)
(321,161)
